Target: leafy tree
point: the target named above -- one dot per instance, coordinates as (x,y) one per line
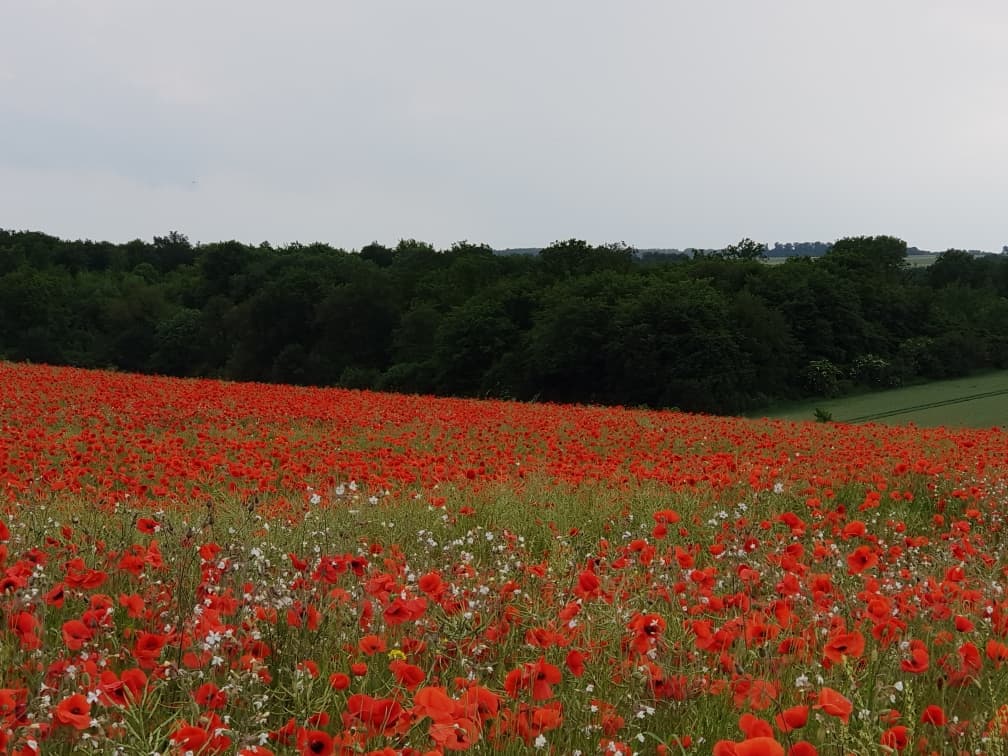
(177,343)
(955,267)
(220,263)
(567,347)
(746,249)
(173,250)
(33,314)
(872,370)
(468,342)
(822,378)
(413,338)
(676,348)
(772,354)
(991,320)
(577,257)
(281,313)
(380,255)
(138,252)
(574,322)
(290,365)
(564,258)
(355,322)
(867,256)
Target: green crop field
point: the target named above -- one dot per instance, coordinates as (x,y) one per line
(979,401)
(921,261)
(913,261)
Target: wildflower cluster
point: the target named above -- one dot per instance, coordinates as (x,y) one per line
(179,575)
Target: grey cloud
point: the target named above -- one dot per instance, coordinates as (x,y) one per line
(661,123)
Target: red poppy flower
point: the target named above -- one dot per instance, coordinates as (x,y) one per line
(574,661)
(377,714)
(933,715)
(835,704)
(209,696)
(190,737)
(121,690)
(431,584)
(647,630)
(147,648)
(588,585)
(457,735)
(757,693)
(963,624)
(861,559)
(74,711)
(209,738)
(25,624)
(479,703)
(997,652)
(404,610)
(370,645)
(339,680)
(133,604)
(895,738)
(55,596)
(407,675)
(538,676)
(844,644)
(759,746)
(919,660)
(75,634)
(792,719)
(314,743)
(962,668)
(754,727)
(434,702)
(285,734)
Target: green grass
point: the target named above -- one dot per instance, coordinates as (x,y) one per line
(921,261)
(979,401)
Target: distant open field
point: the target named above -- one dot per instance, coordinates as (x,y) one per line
(976,402)
(920,261)
(913,261)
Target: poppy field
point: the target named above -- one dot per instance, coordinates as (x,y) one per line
(200,567)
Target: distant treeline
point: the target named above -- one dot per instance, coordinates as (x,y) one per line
(778,250)
(712,331)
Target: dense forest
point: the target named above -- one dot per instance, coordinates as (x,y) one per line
(719,331)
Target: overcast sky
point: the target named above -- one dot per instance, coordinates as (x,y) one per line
(662,124)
